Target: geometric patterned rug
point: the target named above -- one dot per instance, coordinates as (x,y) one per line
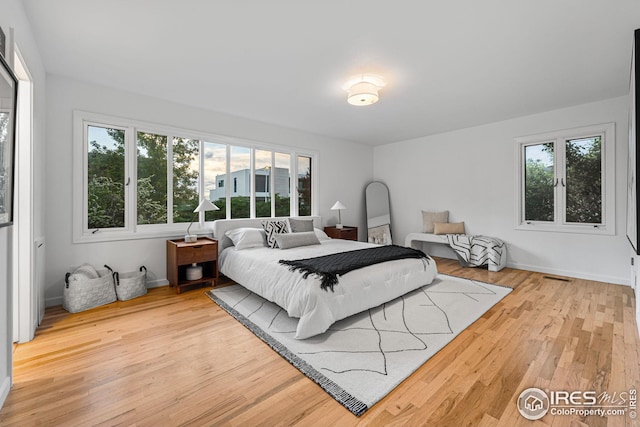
(360,359)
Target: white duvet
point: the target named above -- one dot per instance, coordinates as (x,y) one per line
(258,270)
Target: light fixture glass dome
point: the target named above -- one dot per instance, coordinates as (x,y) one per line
(363,93)
(363,89)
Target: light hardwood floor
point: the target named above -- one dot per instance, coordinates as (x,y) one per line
(167,360)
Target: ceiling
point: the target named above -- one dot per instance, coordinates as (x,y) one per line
(448,64)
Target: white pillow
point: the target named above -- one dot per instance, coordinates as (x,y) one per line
(429,218)
(244,238)
(321,234)
(300,225)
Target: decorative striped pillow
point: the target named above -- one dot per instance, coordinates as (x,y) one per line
(273,227)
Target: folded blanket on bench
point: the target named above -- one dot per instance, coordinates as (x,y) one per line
(329,267)
(474,251)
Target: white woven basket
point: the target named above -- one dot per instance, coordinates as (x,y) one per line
(81,293)
(131,285)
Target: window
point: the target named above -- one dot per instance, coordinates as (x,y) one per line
(105,177)
(272,183)
(263,177)
(566,181)
(4,128)
(240,168)
(304,185)
(263,163)
(282,184)
(152,178)
(144,180)
(186,171)
(214,170)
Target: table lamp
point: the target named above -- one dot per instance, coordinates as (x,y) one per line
(338,207)
(204,206)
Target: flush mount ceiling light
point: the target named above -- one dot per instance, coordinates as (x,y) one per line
(363,89)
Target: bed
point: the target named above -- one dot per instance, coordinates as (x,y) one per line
(258,269)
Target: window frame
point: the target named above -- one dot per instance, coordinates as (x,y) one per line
(607,132)
(134,177)
(125,168)
(132,230)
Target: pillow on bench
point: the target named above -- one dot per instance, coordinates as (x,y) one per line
(429,218)
(448,228)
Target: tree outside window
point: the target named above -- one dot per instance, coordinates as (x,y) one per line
(567,181)
(139,180)
(106,178)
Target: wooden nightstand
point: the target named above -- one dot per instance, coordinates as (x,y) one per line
(181,255)
(346,233)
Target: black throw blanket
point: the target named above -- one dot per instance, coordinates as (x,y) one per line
(329,267)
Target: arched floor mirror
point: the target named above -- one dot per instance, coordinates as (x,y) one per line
(378,213)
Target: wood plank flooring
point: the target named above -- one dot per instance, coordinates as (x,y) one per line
(171,360)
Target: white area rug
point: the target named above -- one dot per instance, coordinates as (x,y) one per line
(362,358)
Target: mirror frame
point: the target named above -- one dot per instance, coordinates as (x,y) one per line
(8,83)
(378,231)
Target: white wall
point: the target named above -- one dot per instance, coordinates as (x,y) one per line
(634,274)
(471,173)
(344,170)
(12,16)
(6,331)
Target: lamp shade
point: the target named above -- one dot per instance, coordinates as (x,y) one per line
(206,205)
(363,89)
(337,206)
(363,93)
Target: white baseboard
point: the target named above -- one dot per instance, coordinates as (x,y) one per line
(561,272)
(637,296)
(580,275)
(157,283)
(50,302)
(4,390)
(569,273)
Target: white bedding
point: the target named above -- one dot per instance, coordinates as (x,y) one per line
(258,270)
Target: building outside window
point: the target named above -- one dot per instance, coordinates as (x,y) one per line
(143,179)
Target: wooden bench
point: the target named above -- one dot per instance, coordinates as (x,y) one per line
(413,240)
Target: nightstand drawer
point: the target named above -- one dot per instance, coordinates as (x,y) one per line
(346,233)
(197,253)
(349,234)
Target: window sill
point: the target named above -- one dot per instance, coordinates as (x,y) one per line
(114,236)
(574,229)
